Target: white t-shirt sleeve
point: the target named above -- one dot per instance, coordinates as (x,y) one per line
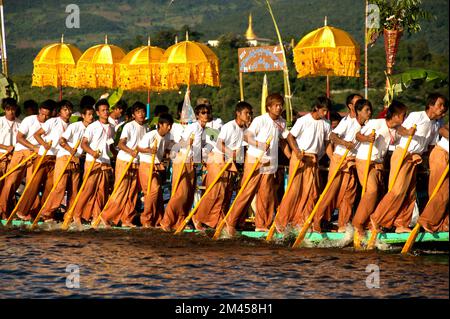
(126,132)
(341,129)
(88,133)
(24,127)
(297,129)
(67,134)
(410,120)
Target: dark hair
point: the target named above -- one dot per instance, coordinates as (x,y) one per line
(101,102)
(165,118)
(31,104)
(48,105)
(87,100)
(63,103)
(274,97)
(200,107)
(320,103)
(335,116)
(138,106)
(87,108)
(9,102)
(396,107)
(433,97)
(359,105)
(161,108)
(242,106)
(121,104)
(351,97)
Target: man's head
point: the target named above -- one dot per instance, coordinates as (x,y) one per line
(274,104)
(45,110)
(102,109)
(321,106)
(363,109)
(396,113)
(351,101)
(87,114)
(202,113)
(161,108)
(10,107)
(165,122)
(87,100)
(335,118)
(31,107)
(203,100)
(64,109)
(243,111)
(437,106)
(139,112)
(118,110)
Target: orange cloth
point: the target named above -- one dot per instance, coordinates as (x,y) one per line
(434,217)
(396,207)
(153,202)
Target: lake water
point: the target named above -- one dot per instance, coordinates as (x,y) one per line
(154,264)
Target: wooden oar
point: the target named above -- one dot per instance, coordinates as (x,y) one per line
(97,221)
(152,165)
(68,215)
(374,232)
(291,178)
(244,184)
(177,181)
(302,233)
(356,239)
(188,218)
(27,186)
(413,235)
(54,187)
(17,166)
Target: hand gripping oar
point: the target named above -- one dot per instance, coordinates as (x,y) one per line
(54,187)
(188,218)
(413,235)
(356,239)
(3,155)
(244,184)
(68,215)
(177,181)
(152,165)
(17,166)
(302,233)
(27,186)
(374,232)
(97,221)
(272,228)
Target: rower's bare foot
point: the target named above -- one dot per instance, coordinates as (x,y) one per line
(166,229)
(198,225)
(402,229)
(231,231)
(342,229)
(261,229)
(130,225)
(146,225)
(23,217)
(77,221)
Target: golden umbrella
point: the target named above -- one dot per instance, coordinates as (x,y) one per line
(327,51)
(98,65)
(190,62)
(141,69)
(55,65)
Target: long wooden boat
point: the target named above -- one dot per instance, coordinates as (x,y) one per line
(326,239)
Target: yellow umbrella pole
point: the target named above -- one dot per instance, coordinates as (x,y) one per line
(97,221)
(17,166)
(374,232)
(69,213)
(188,218)
(302,233)
(27,186)
(54,187)
(356,239)
(272,228)
(413,235)
(244,184)
(177,181)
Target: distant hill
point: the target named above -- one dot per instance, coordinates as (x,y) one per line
(31,24)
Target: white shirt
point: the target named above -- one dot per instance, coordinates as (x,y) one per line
(233,137)
(115,123)
(263,127)
(346,130)
(383,138)
(133,132)
(28,127)
(72,134)
(99,137)
(8,132)
(443,143)
(176,131)
(198,143)
(148,140)
(53,129)
(311,134)
(215,124)
(427,132)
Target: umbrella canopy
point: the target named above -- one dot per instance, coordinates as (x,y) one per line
(141,69)
(327,51)
(190,62)
(98,65)
(55,65)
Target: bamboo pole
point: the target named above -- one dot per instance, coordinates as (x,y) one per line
(17,166)
(54,187)
(413,235)
(4,55)
(244,184)
(302,233)
(241,85)
(4,155)
(27,186)
(366,54)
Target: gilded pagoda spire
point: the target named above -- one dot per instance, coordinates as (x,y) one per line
(249,34)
